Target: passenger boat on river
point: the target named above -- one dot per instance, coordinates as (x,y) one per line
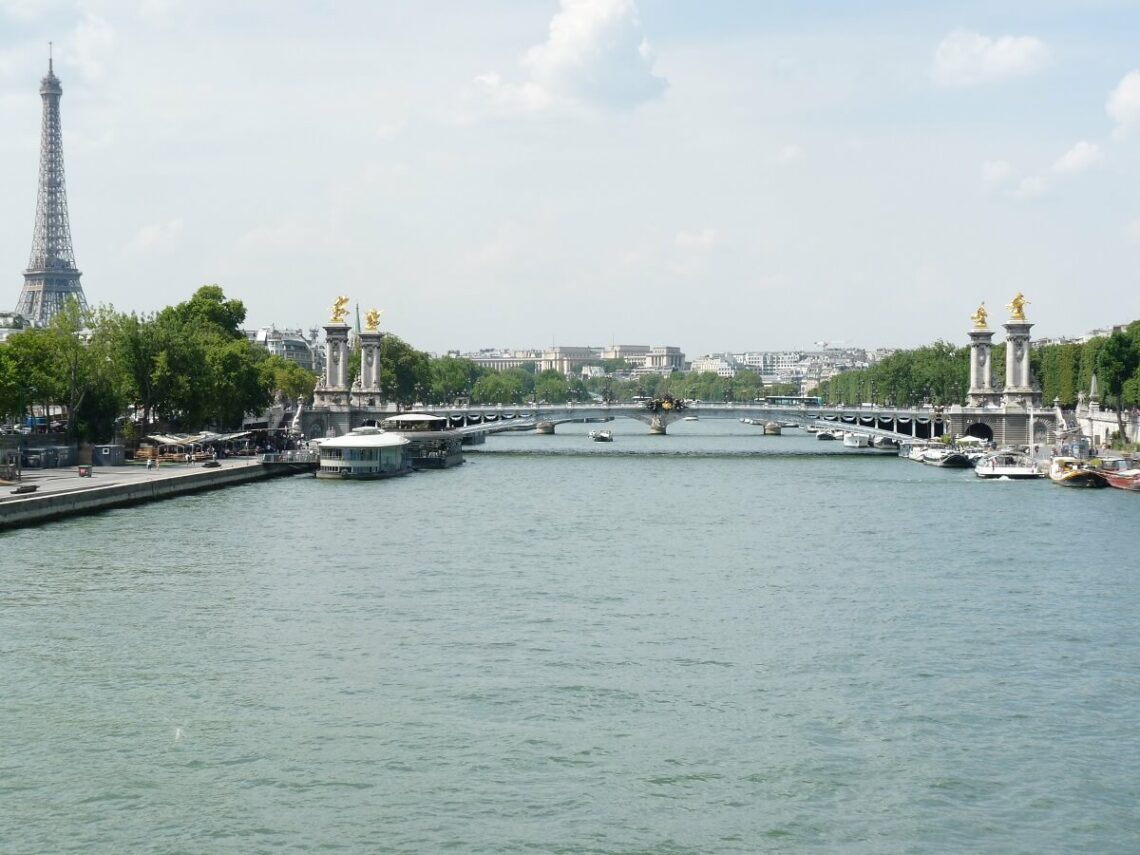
(433,444)
(1071,472)
(365,453)
(1121,473)
(1008,463)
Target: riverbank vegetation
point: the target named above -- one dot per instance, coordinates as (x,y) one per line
(191,366)
(187,367)
(939,374)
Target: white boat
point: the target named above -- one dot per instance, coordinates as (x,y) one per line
(1008,463)
(855,440)
(692,418)
(601,435)
(365,453)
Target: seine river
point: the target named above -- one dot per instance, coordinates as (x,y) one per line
(709,642)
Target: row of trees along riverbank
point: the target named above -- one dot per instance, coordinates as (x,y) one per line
(940,373)
(185,367)
(190,366)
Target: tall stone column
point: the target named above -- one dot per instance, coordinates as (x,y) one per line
(1019,389)
(981,368)
(336,361)
(332,390)
(370,361)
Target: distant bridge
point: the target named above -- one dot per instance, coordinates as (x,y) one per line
(1003,425)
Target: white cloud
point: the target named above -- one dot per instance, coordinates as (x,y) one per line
(1123,105)
(1077,159)
(700,241)
(1031,187)
(160,11)
(291,236)
(22,10)
(995,171)
(790,153)
(88,47)
(966,58)
(595,54)
(157,237)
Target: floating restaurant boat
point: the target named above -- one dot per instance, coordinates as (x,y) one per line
(1071,472)
(855,440)
(433,444)
(365,453)
(601,435)
(1008,463)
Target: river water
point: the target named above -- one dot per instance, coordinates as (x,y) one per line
(713,641)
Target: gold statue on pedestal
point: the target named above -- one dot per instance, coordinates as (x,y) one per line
(979,317)
(339,310)
(372,319)
(1017,306)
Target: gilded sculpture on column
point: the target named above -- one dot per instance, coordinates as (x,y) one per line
(979,317)
(1017,306)
(372,319)
(339,310)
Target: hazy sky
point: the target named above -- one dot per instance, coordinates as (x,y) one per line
(718,175)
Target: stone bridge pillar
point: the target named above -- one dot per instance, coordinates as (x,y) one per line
(333,390)
(1019,388)
(981,369)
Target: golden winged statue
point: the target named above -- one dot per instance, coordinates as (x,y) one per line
(339,310)
(1017,306)
(979,317)
(372,319)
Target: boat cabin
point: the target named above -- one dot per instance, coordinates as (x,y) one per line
(434,444)
(364,453)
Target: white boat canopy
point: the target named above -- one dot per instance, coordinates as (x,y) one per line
(365,440)
(414,418)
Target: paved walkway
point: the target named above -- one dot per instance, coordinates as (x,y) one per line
(68,480)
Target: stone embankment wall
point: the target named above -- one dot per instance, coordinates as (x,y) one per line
(16,511)
(1099,425)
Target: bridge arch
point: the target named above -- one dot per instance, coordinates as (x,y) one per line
(980,430)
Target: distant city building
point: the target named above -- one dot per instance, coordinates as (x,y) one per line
(10,323)
(51,279)
(575,361)
(291,345)
(503,360)
(568,360)
(721,364)
(801,368)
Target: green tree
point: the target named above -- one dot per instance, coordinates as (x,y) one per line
(405,373)
(1116,363)
(453,378)
(287,378)
(551,386)
(503,387)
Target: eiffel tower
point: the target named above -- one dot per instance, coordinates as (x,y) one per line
(51,278)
